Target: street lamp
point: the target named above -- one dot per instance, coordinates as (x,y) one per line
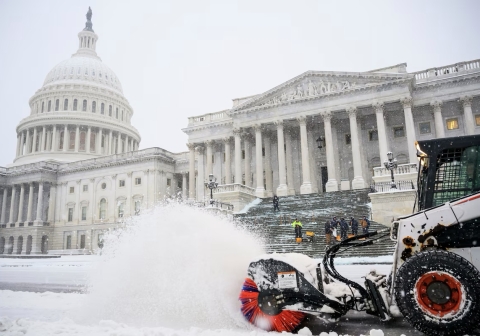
(391,164)
(211,184)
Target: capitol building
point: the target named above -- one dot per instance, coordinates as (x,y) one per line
(78,170)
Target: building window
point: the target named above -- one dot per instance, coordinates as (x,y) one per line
(452,123)
(348,139)
(424,128)
(49,106)
(43,106)
(84,213)
(75,104)
(72,141)
(121,208)
(82,241)
(243,153)
(84,106)
(103,208)
(110,110)
(72,190)
(138,180)
(65,105)
(93,138)
(83,136)
(398,132)
(60,145)
(94,106)
(85,187)
(69,242)
(122,115)
(116,113)
(104,185)
(102,108)
(169,182)
(57,104)
(121,183)
(373,135)
(70,214)
(137,208)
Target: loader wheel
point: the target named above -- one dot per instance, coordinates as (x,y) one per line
(268,317)
(438,292)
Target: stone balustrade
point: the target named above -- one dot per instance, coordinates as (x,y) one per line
(401,169)
(234,187)
(449,70)
(209,117)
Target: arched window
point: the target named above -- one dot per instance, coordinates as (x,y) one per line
(83,136)
(57,104)
(93,138)
(49,105)
(116,113)
(121,209)
(75,104)
(43,106)
(29,244)
(102,108)
(10,245)
(60,145)
(137,207)
(110,110)
(103,208)
(94,106)
(72,141)
(19,245)
(84,107)
(65,105)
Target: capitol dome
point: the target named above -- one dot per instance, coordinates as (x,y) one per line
(101,120)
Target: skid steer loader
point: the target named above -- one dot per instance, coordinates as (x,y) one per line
(435,278)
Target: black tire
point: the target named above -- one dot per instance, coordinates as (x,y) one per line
(424,265)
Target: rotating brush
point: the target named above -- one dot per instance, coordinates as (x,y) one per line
(286,320)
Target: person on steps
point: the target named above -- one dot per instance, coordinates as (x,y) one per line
(365,224)
(354,226)
(297,225)
(275,203)
(328,232)
(343,229)
(333,226)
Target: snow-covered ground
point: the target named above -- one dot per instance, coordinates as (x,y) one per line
(152,279)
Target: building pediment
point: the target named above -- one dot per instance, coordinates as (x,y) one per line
(317,85)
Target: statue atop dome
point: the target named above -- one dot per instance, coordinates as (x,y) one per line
(88,24)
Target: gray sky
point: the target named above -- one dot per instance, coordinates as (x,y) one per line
(183,58)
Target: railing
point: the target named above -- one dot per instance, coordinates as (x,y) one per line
(401,169)
(234,187)
(208,117)
(218,205)
(387,186)
(447,70)
(42,165)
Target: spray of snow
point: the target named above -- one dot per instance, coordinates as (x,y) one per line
(175,266)
(247,207)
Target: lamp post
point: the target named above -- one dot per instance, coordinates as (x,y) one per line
(391,164)
(211,184)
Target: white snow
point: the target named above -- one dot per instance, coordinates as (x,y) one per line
(247,207)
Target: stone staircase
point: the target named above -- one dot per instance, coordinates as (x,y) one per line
(313,211)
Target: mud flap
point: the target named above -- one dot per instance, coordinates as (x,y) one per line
(379,304)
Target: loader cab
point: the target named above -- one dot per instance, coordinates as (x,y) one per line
(449,168)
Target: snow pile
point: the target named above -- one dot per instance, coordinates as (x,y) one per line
(174,267)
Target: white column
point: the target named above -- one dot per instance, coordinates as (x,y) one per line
(20,204)
(39,202)
(19,139)
(209,144)
(30,203)
(49,141)
(51,203)
(4,205)
(268,165)
(22,144)
(410,128)
(44,138)
(282,189)
(184,185)
(468,116)
(332,184)
(201,173)
(228,161)
(77,139)
(382,135)
(98,139)
(110,143)
(66,138)
(260,189)
(358,182)
(247,162)
(34,142)
(27,142)
(191,172)
(306,187)
(238,155)
(12,205)
(437,114)
(87,143)
(289,160)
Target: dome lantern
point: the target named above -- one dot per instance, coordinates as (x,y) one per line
(87,38)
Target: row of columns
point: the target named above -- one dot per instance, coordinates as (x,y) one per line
(467,112)
(49,140)
(16,214)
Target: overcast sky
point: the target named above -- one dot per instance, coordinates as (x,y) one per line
(177,59)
